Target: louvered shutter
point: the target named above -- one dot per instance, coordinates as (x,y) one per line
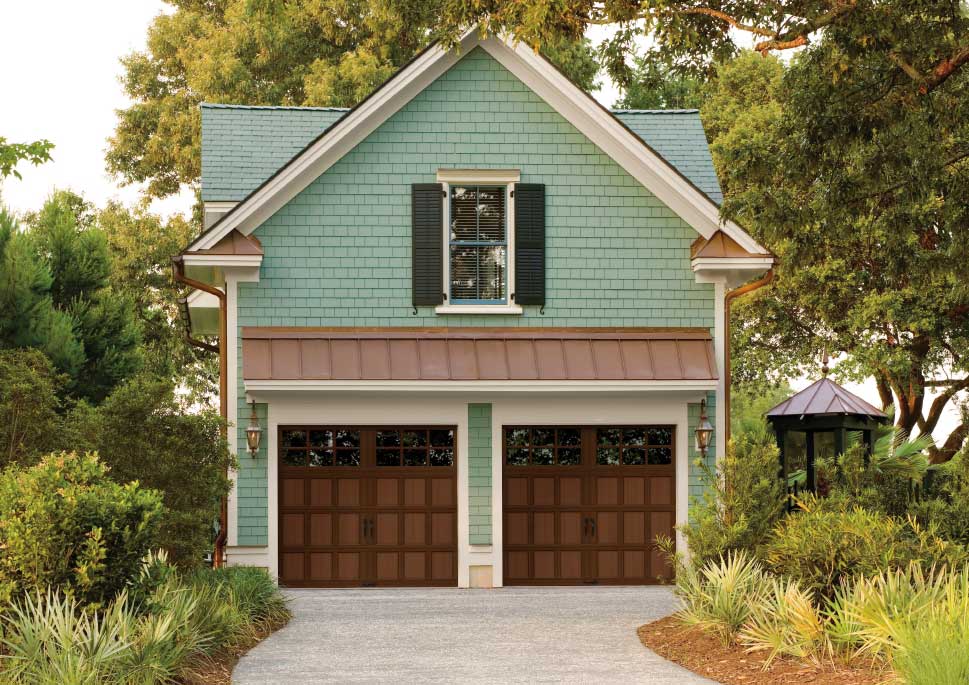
(427,206)
(530,243)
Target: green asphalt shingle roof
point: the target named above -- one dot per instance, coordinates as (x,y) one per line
(242,146)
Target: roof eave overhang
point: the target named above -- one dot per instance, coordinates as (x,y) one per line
(578,107)
(497,386)
(731,271)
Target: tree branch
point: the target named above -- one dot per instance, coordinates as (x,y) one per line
(952,445)
(940,72)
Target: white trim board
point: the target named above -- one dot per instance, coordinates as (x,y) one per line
(261,387)
(603,129)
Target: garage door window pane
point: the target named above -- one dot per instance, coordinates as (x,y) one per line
(294,457)
(442,438)
(570,456)
(607,456)
(442,457)
(388,438)
(518,456)
(542,456)
(517,436)
(321,457)
(634,456)
(569,437)
(347,438)
(660,455)
(293,439)
(415,457)
(348,458)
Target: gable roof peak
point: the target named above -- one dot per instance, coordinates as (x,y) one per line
(589,117)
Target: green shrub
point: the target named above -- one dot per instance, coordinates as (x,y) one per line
(720,595)
(944,501)
(742,502)
(787,622)
(144,431)
(65,524)
(934,652)
(29,422)
(827,544)
(51,639)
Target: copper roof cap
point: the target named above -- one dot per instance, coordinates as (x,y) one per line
(825,397)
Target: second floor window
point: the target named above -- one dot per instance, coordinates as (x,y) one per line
(478,245)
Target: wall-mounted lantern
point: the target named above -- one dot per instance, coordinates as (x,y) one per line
(253,432)
(703,431)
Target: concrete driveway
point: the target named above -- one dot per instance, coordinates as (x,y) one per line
(509,635)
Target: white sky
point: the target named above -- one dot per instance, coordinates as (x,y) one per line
(59,73)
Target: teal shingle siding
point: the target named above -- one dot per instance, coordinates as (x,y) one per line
(338,254)
(697,481)
(479,473)
(243,146)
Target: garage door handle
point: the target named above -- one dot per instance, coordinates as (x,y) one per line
(592,522)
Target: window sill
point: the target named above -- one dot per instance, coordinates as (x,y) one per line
(478,309)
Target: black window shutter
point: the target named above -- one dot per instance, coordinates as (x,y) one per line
(427,206)
(530,243)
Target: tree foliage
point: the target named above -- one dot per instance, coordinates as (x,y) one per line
(145,432)
(141,246)
(652,85)
(12,154)
(306,52)
(86,327)
(29,406)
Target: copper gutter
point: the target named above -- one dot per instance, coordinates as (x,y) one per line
(727,300)
(178,273)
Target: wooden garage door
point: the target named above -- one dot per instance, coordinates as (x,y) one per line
(583,505)
(367,506)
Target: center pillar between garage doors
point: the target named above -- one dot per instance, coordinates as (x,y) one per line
(480,501)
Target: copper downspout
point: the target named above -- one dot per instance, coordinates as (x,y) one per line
(178,272)
(727,300)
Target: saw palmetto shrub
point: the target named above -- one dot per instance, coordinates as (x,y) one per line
(64,524)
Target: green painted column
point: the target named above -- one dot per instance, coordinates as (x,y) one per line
(479,473)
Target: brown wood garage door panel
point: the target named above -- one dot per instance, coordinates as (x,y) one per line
(367,506)
(584,505)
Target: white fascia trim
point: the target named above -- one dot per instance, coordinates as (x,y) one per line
(577,107)
(732,263)
(267,386)
(615,140)
(219,205)
(222,260)
(345,135)
(458,176)
(478,309)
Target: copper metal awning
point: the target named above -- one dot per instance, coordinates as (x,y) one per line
(471,354)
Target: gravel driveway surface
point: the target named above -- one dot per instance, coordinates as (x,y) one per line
(508,635)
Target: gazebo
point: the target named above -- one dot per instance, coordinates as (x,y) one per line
(815,423)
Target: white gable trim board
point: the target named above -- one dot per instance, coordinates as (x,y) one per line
(576,106)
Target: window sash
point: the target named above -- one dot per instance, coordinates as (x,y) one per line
(459,248)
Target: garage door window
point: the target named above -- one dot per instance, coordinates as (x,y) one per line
(634,445)
(543,446)
(320,447)
(420,447)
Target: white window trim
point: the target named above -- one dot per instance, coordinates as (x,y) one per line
(508,178)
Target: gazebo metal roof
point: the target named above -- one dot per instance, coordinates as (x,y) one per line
(825,397)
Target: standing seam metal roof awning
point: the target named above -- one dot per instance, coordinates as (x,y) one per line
(476,354)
